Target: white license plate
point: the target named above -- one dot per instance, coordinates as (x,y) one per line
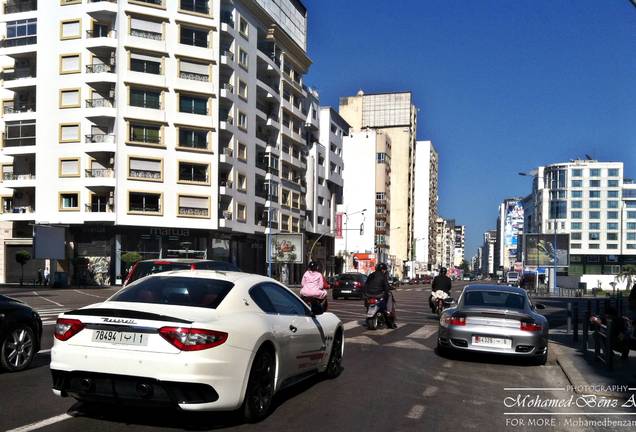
(492,342)
(346,291)
(120,338)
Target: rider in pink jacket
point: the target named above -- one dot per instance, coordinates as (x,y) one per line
(313,283)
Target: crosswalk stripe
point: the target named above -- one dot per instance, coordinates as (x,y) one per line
(423,332)
(351,324)
(409,344)
(385,331)
(363,340)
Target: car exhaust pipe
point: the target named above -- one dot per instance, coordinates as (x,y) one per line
(144,390)
(87,385)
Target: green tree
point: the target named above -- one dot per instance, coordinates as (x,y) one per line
(130,258)
(627,275)
(464,266)
(22,257)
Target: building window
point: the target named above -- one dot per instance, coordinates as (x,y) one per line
(630,204)
(612,226)
(197,6)
(242,120)
(381,157)
(241,212)
(70,63)
(612,236)
(577,194)
(631,236)
(193,104)
(321,201)
(21,32)
(69,201)
(594,226)
(194,71)
(576,215)
(145,169)
(194,206)
(380,196)
(243,58)
(193,138)
(70,98)
(612,183)
(612,204)
(146,29)
(594,215)
(146,63)
(242,89)
(558,209)
(243,27)
(577,183)
(595,172)
(612,215)
(144,133)
(242,151)
(612,246)
(593,246)
(193,172)
(576,225)
(194,37)
(631,225)
(69,167)
(631,246)
(575,236)
(577,204)
(612,194)
(595,183)
(595,204)
(577,172)
(575,245)
(144,202)
(595,194)
(612,172)
(241,183)
(631,215)
(69,133)
(145,98)
(71,29)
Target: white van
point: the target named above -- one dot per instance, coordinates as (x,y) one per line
(512,278)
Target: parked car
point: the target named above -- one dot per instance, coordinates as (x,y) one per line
(495,319)
(512,278)
(194,340)
(405,280)
(20,334)
(348,285)
(152,266)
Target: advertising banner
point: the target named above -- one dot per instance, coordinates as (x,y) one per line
(539,250)
(286,248)
(513,228)
(339,225)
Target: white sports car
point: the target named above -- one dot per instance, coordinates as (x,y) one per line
(200,340)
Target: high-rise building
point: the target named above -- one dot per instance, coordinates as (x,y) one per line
(488,253)
(164,127)
(365,218)
(445,238)
(594,205)
(509,231)
(425,202)
(395,115)
(459,245)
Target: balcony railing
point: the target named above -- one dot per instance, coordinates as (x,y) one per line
(101,33)
(98,208)
(145,174)
(100,68)
(193,211)
(227,215)
(227,18)
(19,209)
(20,6)
(19,41)
(146,34)
(100,172)
(13,177)
(155,2)
(228,54)
(19,141)
(225,183)
(99,103)
(145,209)
(194,76)
(19,108)
(99,138)
(228,87)
(19,73)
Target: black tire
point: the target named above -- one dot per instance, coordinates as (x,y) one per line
(442,351)
(17,349)
(372,323)
(541,360)
(334,366)
(260,387)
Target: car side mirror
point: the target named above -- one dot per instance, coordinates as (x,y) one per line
(316,309)
(539,306)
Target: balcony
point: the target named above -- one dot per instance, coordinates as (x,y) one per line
(18,108)
(101,33)
(19,209)
(12,7)
(98,208)
(227,57)
(100,103)
(19,74)
(99,138)
(100,68)
(19,42)
(146,34)
(18,142)
(194,76)
(194,211)
(100,173)
(144,174)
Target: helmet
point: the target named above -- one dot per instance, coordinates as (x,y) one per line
(313,265)
(381,267)
(442,270)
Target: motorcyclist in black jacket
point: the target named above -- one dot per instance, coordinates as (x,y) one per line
(377,285)
(440,282)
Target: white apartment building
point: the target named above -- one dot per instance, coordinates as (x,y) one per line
(445,239)
(488,253)
(425,206)
(459,249)
(164,127)
(365,213)
(509,230)
(595,205)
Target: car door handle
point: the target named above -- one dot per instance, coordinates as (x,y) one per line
(293,328)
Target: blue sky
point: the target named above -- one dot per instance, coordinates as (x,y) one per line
(502,85)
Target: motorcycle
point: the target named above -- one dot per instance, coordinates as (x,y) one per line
(624,339)
(441,300)
(378,315)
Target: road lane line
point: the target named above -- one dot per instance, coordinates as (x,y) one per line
(45,351)
(423,332)
(48,300)
(363,340)
(441,376)
(430,391)
(350,325)
(409,344)
(87,294)
(416,412)
(42,423)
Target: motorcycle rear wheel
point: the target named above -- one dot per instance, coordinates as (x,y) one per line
(372,323)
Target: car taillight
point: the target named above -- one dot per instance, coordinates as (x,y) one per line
(338,283)
(187,339)
(357,284)
(530,326)
(67,328)
(457,321)
(373,300)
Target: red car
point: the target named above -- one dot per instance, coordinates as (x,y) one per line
(146,267)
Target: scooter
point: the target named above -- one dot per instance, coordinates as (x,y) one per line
(624,340)
(441,301)
(377,315)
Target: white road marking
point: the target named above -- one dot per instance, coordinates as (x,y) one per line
(91,295)
(363,340)
(416,412)
(409,344)
(423,332)
(48,300)
(441,376)
(430,391)
(42,423)
(45,351)
(351,324)
(448,364)
(384,331)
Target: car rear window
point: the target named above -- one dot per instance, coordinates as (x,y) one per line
(146,268)
(217,265)
(494,299)
(352,277)
(176,290)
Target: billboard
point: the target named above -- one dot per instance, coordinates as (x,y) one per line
(513,228)
(286,248)
(48,242)
(339,225)
(539,250)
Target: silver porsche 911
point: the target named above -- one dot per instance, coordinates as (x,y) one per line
(496,319)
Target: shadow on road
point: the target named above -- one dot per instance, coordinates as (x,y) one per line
(486,358)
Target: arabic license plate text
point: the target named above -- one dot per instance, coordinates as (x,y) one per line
(492,342)
(120,338)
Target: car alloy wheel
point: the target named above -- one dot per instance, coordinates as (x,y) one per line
(260,387)
(334,367)
(18,349)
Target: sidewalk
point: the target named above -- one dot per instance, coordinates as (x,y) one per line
(590,376)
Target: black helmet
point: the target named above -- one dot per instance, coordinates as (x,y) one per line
(381,267)
(313,265)
(442,270)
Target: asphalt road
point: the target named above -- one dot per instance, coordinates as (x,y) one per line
(393,380)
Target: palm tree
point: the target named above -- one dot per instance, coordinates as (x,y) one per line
(627,275)
(22,257)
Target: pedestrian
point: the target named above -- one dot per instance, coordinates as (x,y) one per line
(46,276)
(40,277)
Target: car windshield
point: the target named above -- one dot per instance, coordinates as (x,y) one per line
(495,299)
(351,277)
(176,290)
(149,267)
(217,265)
